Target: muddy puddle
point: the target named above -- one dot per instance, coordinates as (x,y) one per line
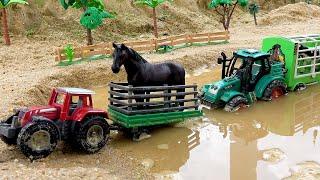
(265,141)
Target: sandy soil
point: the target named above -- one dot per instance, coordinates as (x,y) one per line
(28,72)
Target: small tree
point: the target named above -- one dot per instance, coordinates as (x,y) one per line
(3,5)
(153,4)
(225,9)
(93,15)
(254,9)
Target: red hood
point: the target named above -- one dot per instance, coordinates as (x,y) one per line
(49,112)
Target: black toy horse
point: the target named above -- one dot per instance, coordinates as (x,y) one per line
(142,73)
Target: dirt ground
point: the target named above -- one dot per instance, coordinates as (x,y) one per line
(28,72)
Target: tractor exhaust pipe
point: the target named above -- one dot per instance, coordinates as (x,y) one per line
(222,60)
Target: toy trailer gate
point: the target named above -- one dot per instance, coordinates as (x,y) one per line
(133,107)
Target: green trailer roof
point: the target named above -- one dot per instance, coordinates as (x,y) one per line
(304,38)
(253,53)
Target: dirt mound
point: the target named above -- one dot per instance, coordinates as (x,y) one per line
(291,13)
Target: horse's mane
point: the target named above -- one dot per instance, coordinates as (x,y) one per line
(137,56)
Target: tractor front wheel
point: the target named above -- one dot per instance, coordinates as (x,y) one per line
(38,139)
(275,90)
(92,134)
(236,103)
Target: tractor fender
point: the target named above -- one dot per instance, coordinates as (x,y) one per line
(84,112)
(264,82)
(227,96)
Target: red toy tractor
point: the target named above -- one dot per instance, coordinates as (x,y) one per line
(69,116)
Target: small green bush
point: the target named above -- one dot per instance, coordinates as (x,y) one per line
(69,52)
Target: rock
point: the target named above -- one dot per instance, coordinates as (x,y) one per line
(163,146)
(305,170)
(273,155)
(141,137)
(147,163)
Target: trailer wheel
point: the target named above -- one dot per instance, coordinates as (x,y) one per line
(92,134)
(8,141)
(38,139)
(236,103)
(300,87)
(275,90)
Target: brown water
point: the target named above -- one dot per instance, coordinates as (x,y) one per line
(262,142)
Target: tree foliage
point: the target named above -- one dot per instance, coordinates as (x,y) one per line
(216,3)
(225,9)
(94,11)
(93,17)
(6,3)
(253,8)
(82,4)
(151,3)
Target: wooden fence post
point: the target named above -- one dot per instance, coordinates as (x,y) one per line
(155,41)
(171,40)
(59,55)
(190,39)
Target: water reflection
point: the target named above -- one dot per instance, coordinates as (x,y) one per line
(290,124)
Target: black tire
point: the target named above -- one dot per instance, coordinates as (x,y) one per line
(276,84)
(92,134)
(8,141)
(300,87)
(28,139)
(236,103)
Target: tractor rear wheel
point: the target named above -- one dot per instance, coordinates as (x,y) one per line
(274,90)
(38,139)
(236,103)
(92,134)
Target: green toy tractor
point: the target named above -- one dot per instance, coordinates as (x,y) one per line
(249,75)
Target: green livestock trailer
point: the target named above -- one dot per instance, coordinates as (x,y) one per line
(301,56)
(135,108)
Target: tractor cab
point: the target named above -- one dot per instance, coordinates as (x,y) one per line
(249,75)
(69,101)
(249,65)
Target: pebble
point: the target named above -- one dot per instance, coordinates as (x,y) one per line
(147,163)
(273,155)
(163,146)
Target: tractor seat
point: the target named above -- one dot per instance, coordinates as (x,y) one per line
(74,106)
